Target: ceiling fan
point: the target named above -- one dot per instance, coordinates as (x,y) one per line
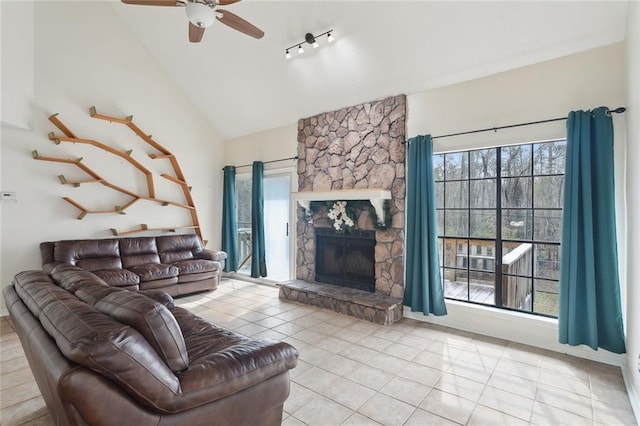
(203,13)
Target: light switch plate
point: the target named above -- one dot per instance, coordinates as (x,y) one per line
(9,197)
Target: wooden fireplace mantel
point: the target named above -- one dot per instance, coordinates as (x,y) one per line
(375,195)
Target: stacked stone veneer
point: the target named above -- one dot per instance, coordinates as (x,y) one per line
(356,147)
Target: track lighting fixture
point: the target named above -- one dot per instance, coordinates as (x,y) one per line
(309,39)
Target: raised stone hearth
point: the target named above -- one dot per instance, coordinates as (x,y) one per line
(374,307)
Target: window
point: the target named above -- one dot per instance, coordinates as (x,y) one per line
(499,214)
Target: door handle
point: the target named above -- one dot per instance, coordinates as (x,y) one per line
(287,232)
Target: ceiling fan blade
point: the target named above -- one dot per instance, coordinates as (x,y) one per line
(154,2)
(226,2)
(195,33)
(237,23)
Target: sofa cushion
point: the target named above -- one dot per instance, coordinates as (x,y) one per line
(196,266)
(71,277)
(159,296)
(118,277)
(108,347)
(36,289)
(92,293)
(90,255)
(154,271)
(173,248)
(138,251)
(151,319)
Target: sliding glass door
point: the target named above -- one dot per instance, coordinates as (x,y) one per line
(277,223)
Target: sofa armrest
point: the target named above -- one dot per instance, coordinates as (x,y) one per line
(208,254)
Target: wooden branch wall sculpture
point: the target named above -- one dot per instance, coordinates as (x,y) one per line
(161,153)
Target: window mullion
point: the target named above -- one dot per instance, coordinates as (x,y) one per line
(498,242)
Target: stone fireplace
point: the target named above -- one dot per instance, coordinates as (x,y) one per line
(355,153)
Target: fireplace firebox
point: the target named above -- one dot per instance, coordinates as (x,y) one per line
(346,260)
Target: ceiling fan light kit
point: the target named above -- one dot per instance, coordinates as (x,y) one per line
(200,15)
(203,13)
(309,39)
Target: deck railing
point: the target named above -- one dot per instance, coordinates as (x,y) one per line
(517,291)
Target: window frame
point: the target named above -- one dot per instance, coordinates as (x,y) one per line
(534,276)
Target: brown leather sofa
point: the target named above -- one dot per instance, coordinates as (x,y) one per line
(105,356)
(177,264)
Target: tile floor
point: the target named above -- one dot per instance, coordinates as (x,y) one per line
(352,372)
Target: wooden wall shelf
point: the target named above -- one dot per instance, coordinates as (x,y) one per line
(162,153)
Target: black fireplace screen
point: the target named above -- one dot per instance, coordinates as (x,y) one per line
(346,260)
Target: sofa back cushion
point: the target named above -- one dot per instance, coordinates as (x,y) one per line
(90,255)
(174,248)
(138,251)
(151,319)
(108,347)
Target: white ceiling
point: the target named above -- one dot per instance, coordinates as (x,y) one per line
(244,85)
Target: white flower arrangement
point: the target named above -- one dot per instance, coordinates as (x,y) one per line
(341,220)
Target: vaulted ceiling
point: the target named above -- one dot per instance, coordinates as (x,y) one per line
(244,85)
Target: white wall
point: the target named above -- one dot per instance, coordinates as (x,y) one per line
(273,144)
(85,56)
(632,375)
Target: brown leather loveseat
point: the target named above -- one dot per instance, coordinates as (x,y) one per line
(102,355)
(177,264)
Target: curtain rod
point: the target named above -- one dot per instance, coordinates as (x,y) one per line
(267,162)
(618,110)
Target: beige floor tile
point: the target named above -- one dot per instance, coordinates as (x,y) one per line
(613,414)
(444,349)
(415,341)
(386,410)
(507,402)
(314,355)
(326,328)
(547,415)
(375,343)
(551,378)
(340,365)
(387,363)
(518,369)
(292,421)
(433,360)
(564,400)
(333,344)
(269,322)
(358,419)
(484,416)
(470,371)
(460,386)
(358,353)
(370,377)
(350,335)
(317,380)
(421,374)
(288,328)
(250,329)
(12,395)
(350,394)
(322,411)
(406,391)
(513,384)
(400,350)
(23,412)
(388,333)
(449,406)
(472,357)
(13,365)
(310,336)
(422,418)
(298,397)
